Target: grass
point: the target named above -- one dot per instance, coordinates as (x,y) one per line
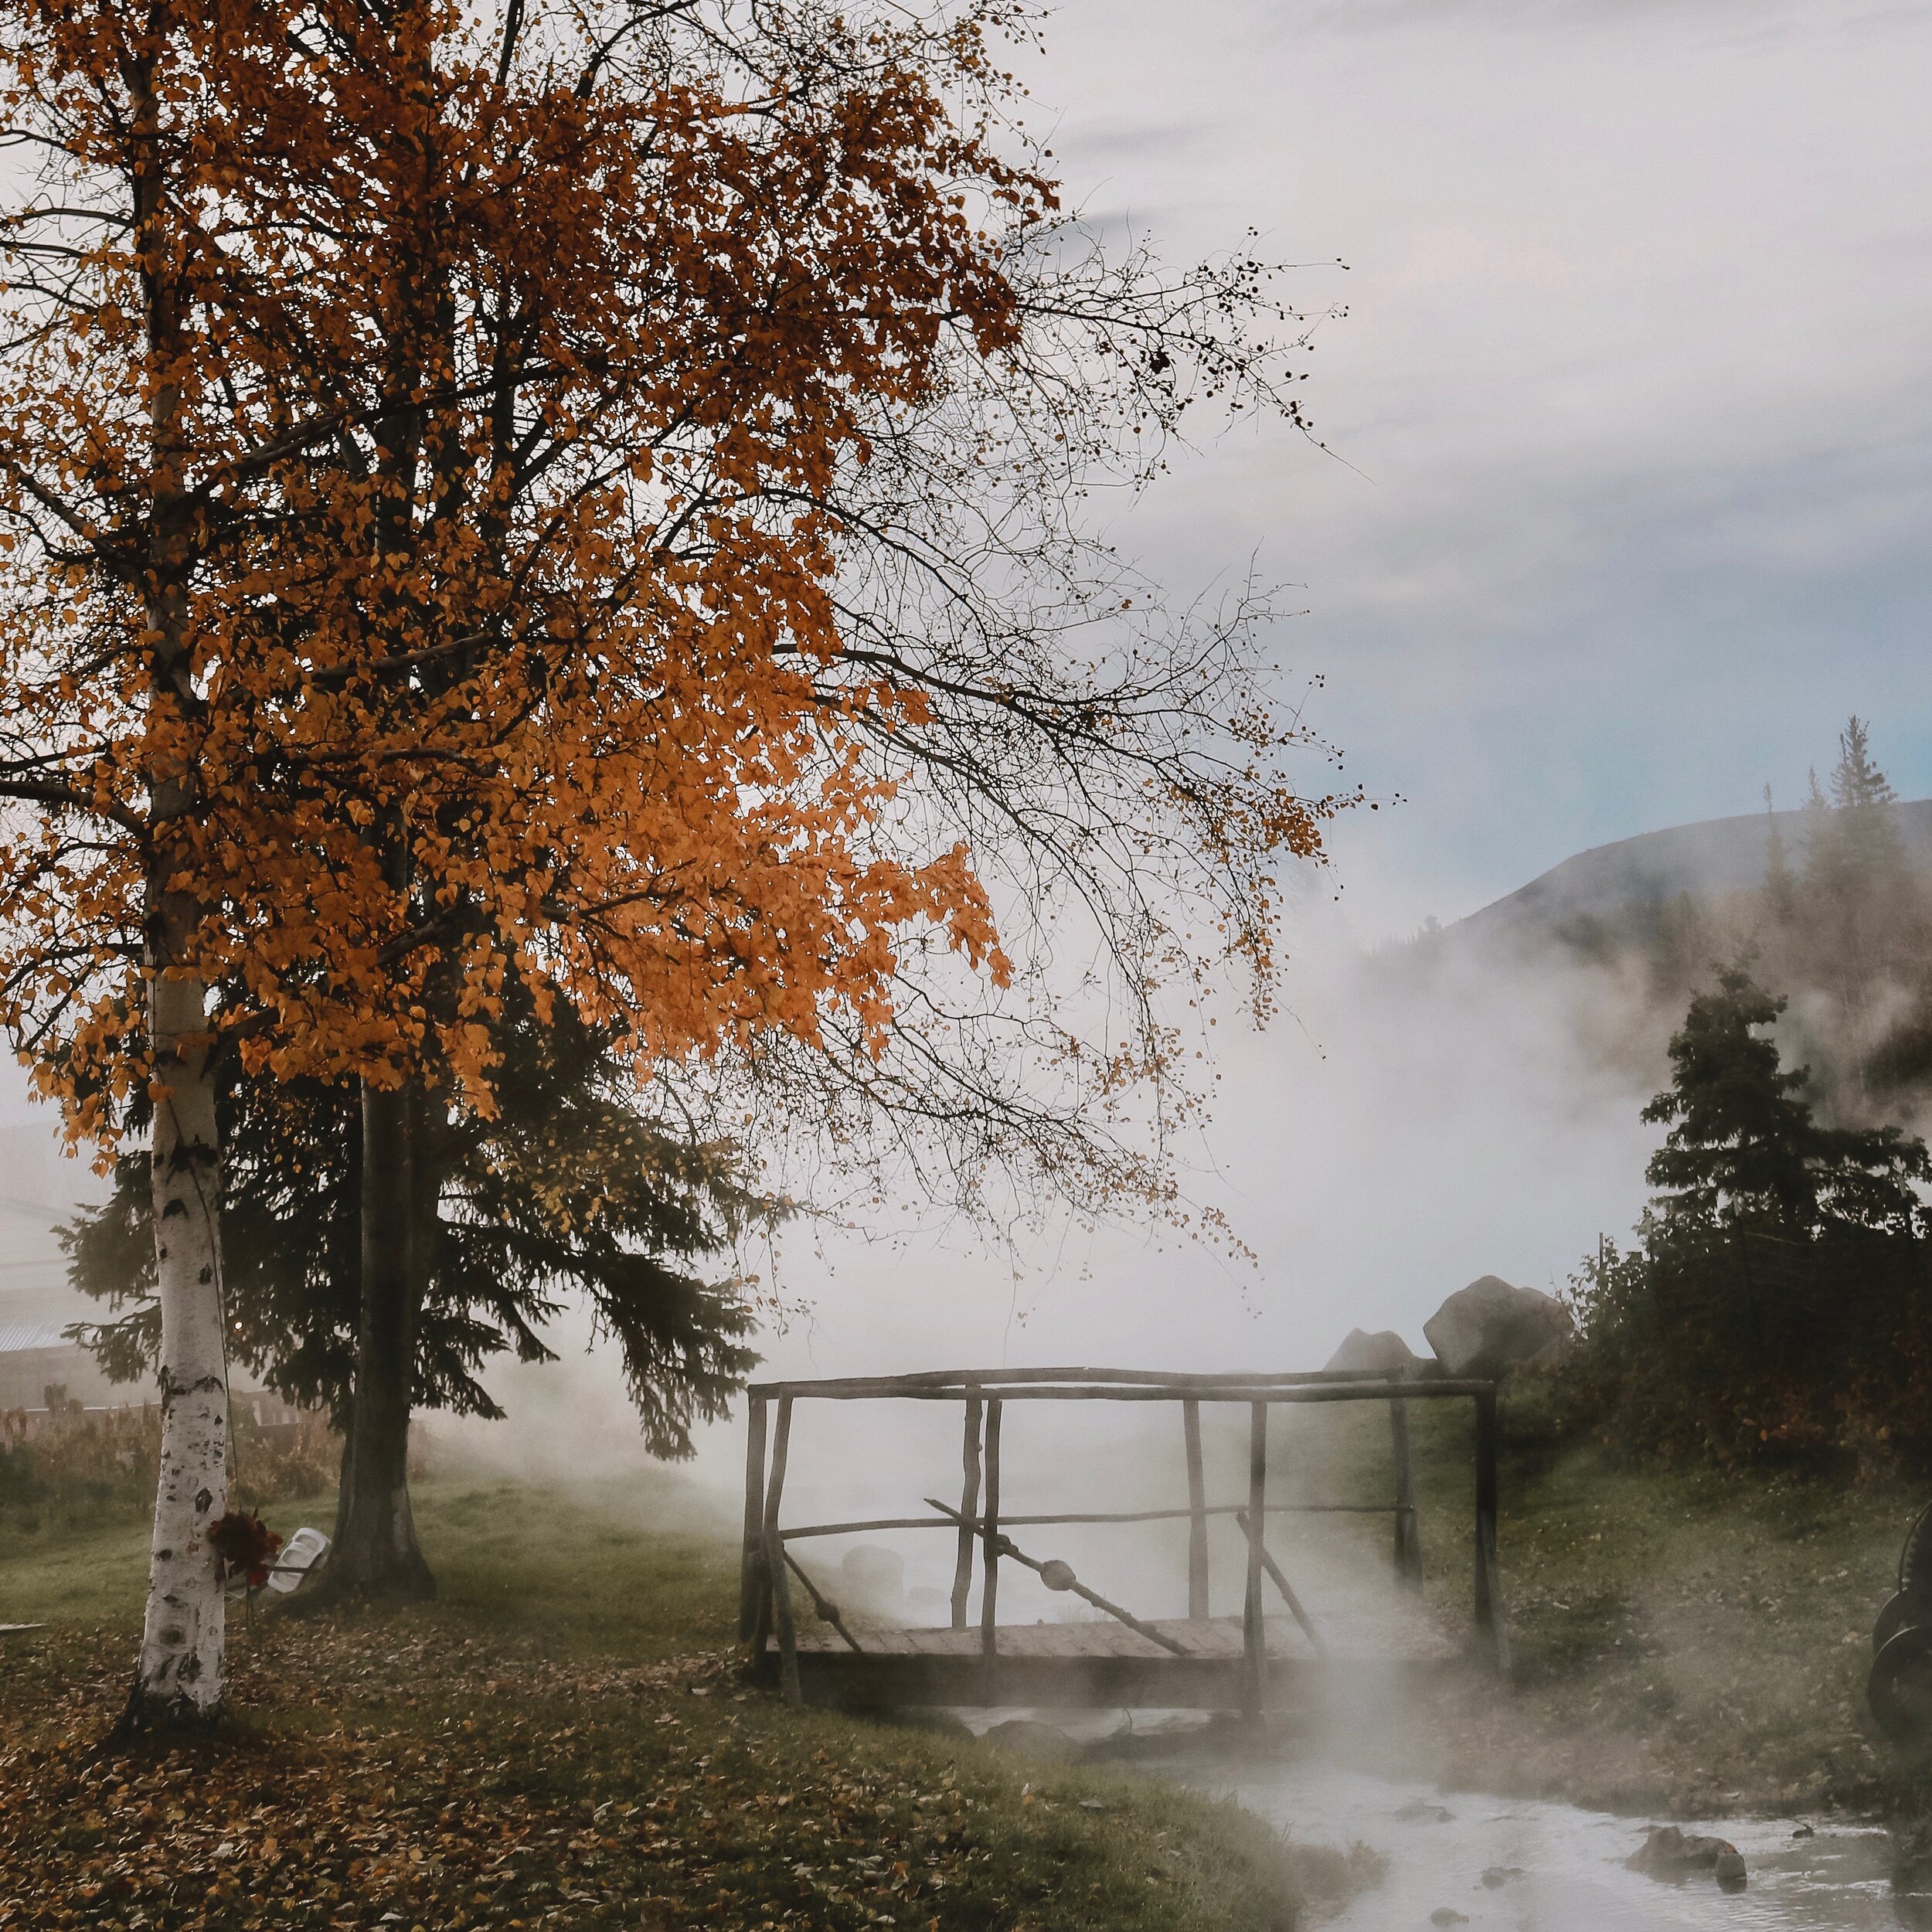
(562,1740)
(1686,1642)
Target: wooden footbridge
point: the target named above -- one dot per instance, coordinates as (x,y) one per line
(1113,1658)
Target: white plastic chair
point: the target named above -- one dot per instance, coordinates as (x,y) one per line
(297,1557)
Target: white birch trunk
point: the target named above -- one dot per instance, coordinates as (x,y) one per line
(179,1679)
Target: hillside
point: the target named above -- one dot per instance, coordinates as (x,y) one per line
(1839,931)
(1617,892)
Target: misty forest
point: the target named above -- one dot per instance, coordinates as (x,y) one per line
(725,1201)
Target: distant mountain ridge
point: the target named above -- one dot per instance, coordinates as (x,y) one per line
(1610,886)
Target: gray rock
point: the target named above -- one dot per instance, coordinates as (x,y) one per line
(1486,1328)
(1384,1352)
(1448,1915)
(1497,1875)
(1668,1852)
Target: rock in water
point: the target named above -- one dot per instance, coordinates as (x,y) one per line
(1384,1352)
(1668,1852)
(1448,1915)
(1488,1327)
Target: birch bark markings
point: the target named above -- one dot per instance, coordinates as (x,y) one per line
(178,1678)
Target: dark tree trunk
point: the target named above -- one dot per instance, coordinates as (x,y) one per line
(375,1552)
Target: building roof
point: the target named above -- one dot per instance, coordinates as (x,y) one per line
(17,1337)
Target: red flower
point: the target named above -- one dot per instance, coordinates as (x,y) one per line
(245,1544)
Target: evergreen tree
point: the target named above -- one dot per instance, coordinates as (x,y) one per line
(1744,1152)
(1856,933)
(569,1186)
(1741,1136)
(1778,1301)
(1780,886)
(1857,783)
(1857,862)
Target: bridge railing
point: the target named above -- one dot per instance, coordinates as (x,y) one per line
(765,1607)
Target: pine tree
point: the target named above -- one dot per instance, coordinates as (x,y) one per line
(1744,1150)
(1780,886)
(1857,783)
(570,1188)
(1858,862)
(1860,909)
(1780,1292)
(1738,1148)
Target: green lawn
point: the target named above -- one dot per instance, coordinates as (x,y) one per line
(563,1738)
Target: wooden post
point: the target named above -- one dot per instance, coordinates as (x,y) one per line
(989,1588)
(968,1509)
(1254,1646)
(1297,1609)
(1197,1553)
(1408,1551)
(1490,1620)
(776,1579)
(751,1561)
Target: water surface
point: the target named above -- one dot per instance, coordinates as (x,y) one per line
(1554,1867)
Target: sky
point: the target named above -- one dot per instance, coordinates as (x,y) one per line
(1631,409)
(1630,425)
(1630,417)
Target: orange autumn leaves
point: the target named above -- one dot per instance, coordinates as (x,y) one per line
(491,457)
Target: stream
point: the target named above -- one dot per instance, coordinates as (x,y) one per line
(1553,1868)
(1510,1865)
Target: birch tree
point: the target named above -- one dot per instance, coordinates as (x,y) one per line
(115,424)
(618,474)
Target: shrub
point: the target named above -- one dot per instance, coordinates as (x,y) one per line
(79,1463)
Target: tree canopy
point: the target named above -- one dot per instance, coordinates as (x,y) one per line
(591,500)
(656,592)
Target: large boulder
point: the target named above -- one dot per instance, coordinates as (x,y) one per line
(1485,1330)
(1384,1352)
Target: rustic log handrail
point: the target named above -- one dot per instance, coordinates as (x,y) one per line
(964,1379)
(1197,1512)
(867,1524)
(823,1607)
(765,1598)
(1340,1386)
(1296,1609)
